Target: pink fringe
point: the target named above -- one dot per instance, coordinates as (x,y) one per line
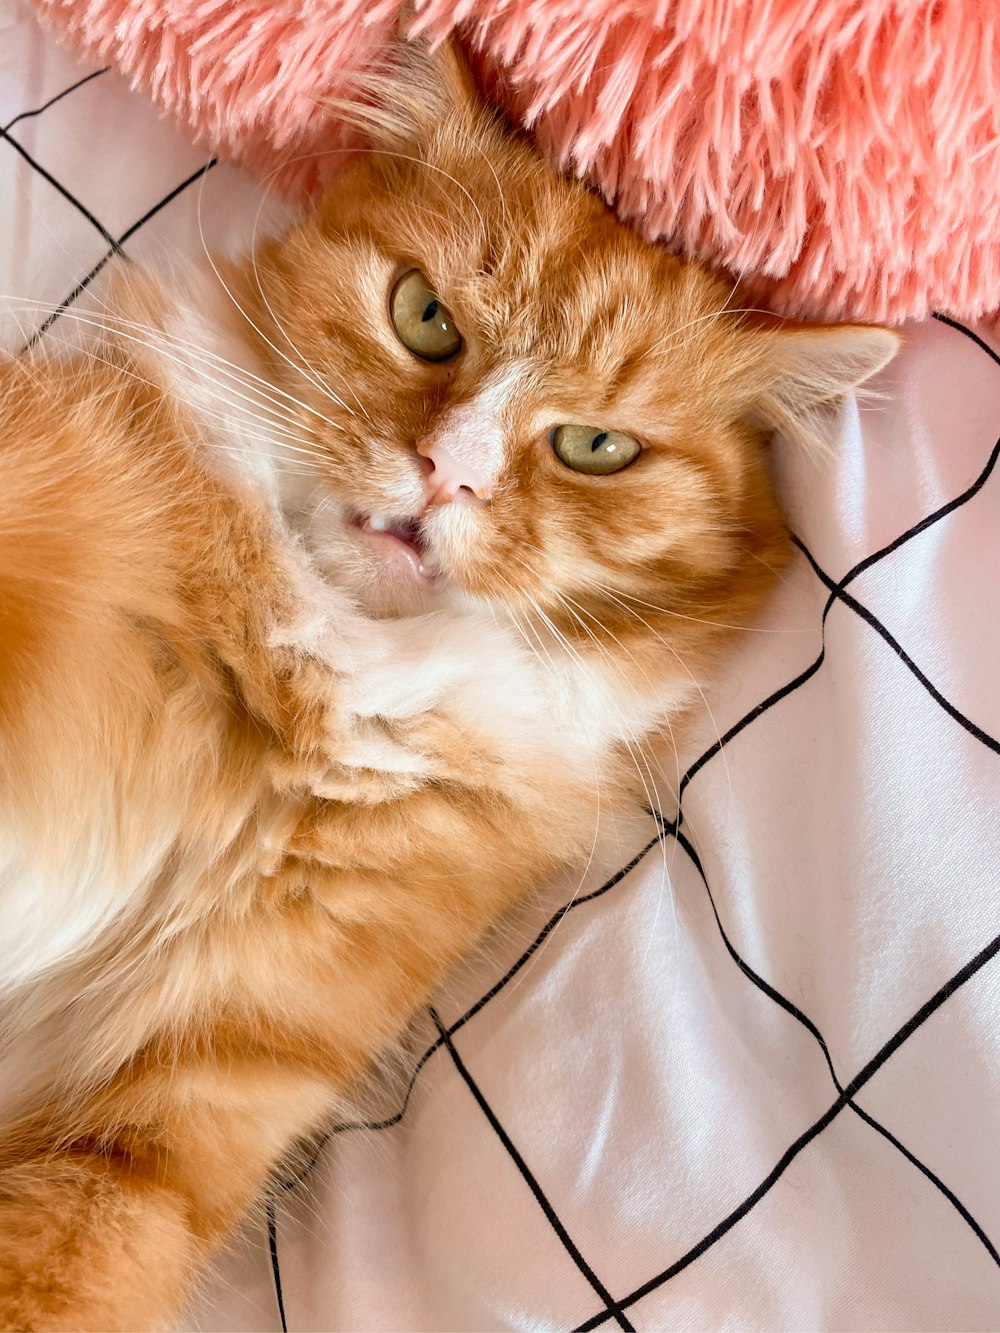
(842,156)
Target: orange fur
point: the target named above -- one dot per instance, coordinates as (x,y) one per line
(289,872)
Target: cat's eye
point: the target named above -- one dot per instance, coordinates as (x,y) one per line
(597,452)
(423,324)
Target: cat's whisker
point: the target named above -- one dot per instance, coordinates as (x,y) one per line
(298,368)
(307,368)
(269,389)
(639,757)
(278,411)
(511,612)
(670,648)
(696,620)
(665,720)
(274,317)
(569,603)
(273,439)
(652,795)
(549,664)
(430,166)
(654,803)
(501,195)
(359,150)
(632,744)
(702,319)
(686,669)
(599,796)
(277,436)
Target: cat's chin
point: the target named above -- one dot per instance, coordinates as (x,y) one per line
(386,593)
(383,567)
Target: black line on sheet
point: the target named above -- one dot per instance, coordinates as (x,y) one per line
(272,1246)
(495,989)
(84,283)
(727,1222)
(168,199)
(973,337)
(859,609)
(836,590)
(811,1027)
(27,115)
(916,1020)
(550,926)
(855,572)
(70,198)
(611,1306)
(785,690)
(936,516)
(748,971)
(936,1180)
(66,302)
(856,1084)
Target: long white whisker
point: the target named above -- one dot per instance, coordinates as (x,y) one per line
(695,620)
(199,409)
(235,371)
(639,758)
(299,369)
(550,665)
(629,739)
(277,322)
(596,772)
(607,592)
(684,667)
(651,793)
(715,314)
(117,325)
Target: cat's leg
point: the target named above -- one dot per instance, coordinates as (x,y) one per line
(371,907)
(84,1247)
(111,1234)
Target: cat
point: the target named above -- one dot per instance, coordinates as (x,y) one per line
(337,588)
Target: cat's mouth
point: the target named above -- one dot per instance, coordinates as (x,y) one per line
(400,541)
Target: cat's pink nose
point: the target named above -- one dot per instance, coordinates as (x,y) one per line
(466,448)
(451,474)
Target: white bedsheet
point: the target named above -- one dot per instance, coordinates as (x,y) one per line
(753,1081)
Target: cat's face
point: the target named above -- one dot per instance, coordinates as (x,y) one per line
(516,401)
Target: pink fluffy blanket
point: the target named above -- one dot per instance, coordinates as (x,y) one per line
(841,156)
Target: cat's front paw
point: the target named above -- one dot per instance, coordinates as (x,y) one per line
(385,706)
(333,746)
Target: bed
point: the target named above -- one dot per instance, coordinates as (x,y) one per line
(745,1073)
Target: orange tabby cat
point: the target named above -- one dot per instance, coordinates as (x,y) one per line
(334,590)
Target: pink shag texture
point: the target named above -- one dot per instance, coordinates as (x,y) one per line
(841,156)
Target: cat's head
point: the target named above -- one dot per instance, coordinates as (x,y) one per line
(514,400)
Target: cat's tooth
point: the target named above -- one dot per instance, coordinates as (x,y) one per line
(378,523)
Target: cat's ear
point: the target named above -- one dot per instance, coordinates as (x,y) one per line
(808,368)
(403,102)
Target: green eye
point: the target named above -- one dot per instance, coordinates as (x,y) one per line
(424,325)
(596,452)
